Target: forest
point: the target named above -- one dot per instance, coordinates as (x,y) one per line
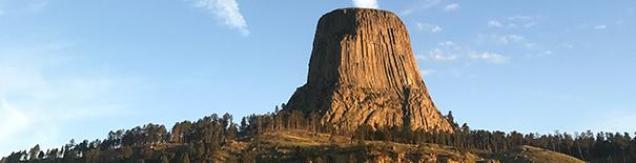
(197,141)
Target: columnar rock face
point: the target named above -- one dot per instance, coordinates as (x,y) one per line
(363,71)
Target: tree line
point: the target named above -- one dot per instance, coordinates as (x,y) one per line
(200,141)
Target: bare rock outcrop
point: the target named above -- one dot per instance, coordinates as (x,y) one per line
(363,71)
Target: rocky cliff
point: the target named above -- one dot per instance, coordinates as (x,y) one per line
(363,71)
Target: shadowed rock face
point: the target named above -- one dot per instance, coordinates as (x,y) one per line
(363,71)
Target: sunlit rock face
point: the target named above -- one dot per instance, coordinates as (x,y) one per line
(363,71)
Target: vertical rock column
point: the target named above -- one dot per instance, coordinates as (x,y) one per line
(363,71)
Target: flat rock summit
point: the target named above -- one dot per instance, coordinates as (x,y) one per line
(363,71)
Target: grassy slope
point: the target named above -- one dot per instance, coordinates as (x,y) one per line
(299,146)
(536,155)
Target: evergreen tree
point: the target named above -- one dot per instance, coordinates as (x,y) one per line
(33,152)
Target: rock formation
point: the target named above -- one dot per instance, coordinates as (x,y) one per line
(363,71)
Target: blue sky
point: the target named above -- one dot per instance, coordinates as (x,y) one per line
(72,69)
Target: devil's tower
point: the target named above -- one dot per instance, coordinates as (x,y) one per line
(362,71)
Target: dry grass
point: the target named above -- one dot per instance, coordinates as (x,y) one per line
(536,155)
(302,138)
(296,144)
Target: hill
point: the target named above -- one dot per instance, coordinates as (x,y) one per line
(300,146)
(281,137)
(529,154)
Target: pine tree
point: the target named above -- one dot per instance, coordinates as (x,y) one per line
(33,152)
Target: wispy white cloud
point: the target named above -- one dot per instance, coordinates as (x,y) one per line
(30,6)
(366,3)
(495,23)
(440,55)
(420,5)
(446,52)
(506,39)
(521,18)
(427,71)
(619,22)
(436,29)
(1,8)
(433,28)
(14,120)
(451,7)
(521,44)
(519,21)
(447,44)
(600,27)
(227,11)
(451,52)
(548,52)
(37,98)
(489,57)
